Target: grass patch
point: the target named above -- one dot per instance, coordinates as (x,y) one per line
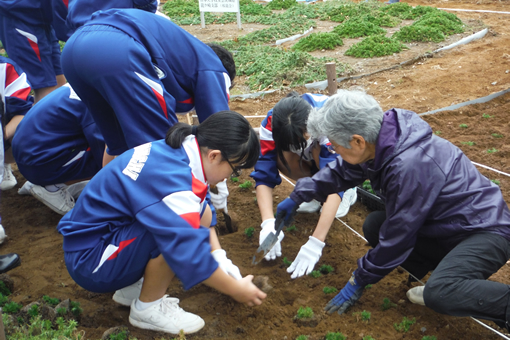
(445,22)
(318,41)
(419,33)
(375,46)
(355,28)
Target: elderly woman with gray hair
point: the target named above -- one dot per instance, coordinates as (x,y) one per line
(441,213)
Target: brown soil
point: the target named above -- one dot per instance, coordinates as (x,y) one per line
(453,76)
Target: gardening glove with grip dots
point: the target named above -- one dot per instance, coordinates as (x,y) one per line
(307,257)
(346,298)
(225,264)
(267,228)
(286,210)
(219,200)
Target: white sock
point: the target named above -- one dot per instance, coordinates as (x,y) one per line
(54,187)
(144,305)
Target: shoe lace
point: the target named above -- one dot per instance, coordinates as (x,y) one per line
(68,199)
(171,306)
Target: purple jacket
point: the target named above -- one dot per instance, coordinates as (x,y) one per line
(431,189)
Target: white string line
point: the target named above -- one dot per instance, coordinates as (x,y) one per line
(489,168)
(473,10)
(414,277)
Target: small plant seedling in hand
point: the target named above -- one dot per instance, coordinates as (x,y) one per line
(249,232)
(326,269)
(304,313)
(12,307)
(50,301)
(292,228)
(492,150)
(495,181)
(315,274)
(405,325)
(329,290)
(335,336)
(286,262)
(485,115)
(497,135)
(365,316)
(463,126)
(368,286)
(302,337)
(246,185)
(468,143)
(387,304)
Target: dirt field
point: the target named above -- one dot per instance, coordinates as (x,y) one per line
(453,76)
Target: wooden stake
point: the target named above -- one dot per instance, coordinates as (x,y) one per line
(331,73)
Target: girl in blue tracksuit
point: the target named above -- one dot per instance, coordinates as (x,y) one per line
(286,147)
(135,70)
(144,215)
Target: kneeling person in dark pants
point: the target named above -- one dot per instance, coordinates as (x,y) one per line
(441,213)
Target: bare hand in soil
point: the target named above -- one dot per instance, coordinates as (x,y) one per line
(248,293)
(262,282)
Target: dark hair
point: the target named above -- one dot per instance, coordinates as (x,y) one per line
(226,59)
(227,131)
(289,124)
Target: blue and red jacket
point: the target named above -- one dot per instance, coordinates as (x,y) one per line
(162,188)
(431,189)
(266,170)
(189,70)
(14,90)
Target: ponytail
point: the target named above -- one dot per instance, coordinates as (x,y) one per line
(227,131)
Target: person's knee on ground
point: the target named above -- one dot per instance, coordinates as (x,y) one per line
(435,292)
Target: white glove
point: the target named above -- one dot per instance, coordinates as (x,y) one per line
(307,257)
(268,227)
(225,264)
(219,200)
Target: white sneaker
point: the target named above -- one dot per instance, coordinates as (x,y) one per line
(2,234)
(166,316)
(127,295)
(75,191)
(9,181)
(309,207)
(350,197)
(59,201)
(25,189)
(415,295)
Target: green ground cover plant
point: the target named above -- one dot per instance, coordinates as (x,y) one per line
(364,316)
(445,22)
(4,289)
(315,274)
(302,337)
(50,301)
(33,311)
(357,27)
(292,228)
(3,300)
(335,336)
(419,33)
(495,181)
(429,337)
(404,325)
(368,286)
(329,290)
(492,150)
(367,187)
(246,185)
(281,4)
(400,10)
(468,143)
(234,179)
(286,262)
(497,135)
(326,269)
(382,19)
(75,308)
(368,337)
(11,307)
(375,46)
(304,313)
(463,126)
(318,41)
(485,115)
(387,304)
(249,232)
(39,329)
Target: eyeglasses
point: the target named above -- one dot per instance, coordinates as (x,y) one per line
(235,171)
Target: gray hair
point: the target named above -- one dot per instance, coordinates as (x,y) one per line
(345,114)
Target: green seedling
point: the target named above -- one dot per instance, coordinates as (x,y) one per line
(20,320)
(33,311)
(329,290)
(326,269)
(318,41)
(485,115)
(119,336)
(437,133)
(365,316)
(246,184)
(497,135)
(315,274)
(4,290)
(249,232)
(368,337)
(429,337)
(405,325)
(492,150)
(12,307)
(335,336)
(234,179)
(495,181)
(302,337)
(304,313)
(292,228)
(463,126)
(75,308)
(468,143)
(286,262)
(387,304)
(3,300)
(368,286)
(50,301)
(368,187)
(61,311)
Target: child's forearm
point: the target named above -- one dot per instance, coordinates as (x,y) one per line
(222,282)
(265,201)
(327,216)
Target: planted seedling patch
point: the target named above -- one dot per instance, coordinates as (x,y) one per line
(306,317)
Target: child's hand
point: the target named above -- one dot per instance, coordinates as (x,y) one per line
(248,293)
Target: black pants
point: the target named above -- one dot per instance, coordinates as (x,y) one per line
(458,286)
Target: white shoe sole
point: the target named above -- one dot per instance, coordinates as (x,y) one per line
(144,325)
(121,300)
